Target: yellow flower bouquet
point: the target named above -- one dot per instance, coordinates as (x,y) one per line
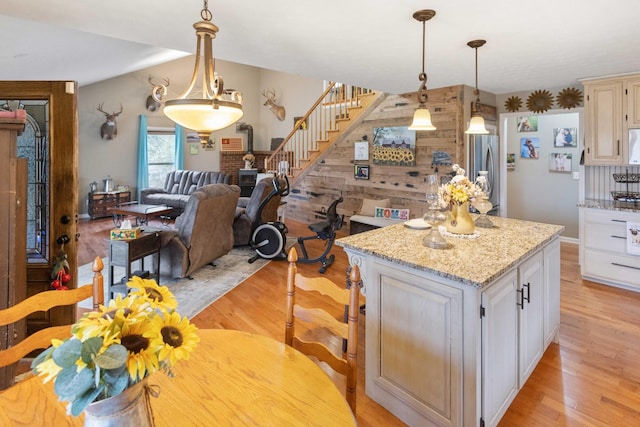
(117,346)
(459,190)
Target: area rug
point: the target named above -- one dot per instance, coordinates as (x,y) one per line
(208,284)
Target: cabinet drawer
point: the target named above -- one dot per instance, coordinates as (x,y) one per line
(615,268)
(610,217)
(610,238)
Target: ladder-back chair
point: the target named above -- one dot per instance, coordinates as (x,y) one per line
(344,329)
(44,301)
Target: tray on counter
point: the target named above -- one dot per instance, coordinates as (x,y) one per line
(626,177)
(625,196)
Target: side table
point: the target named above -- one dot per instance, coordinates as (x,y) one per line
(124,252)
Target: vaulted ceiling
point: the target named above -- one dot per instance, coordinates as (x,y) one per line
(372,43)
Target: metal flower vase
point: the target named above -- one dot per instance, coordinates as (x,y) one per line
(459,220)
(131,408)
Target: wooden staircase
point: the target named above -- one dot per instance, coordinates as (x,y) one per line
(335,111)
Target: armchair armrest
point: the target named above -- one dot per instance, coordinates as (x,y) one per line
(243,202)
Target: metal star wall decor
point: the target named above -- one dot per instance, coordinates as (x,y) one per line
(539,101)
(513,104)
(569,98)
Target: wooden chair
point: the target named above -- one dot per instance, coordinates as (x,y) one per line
(315,318)
(44,301)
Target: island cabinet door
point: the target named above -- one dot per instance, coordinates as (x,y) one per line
(530,301)
(414,347)
(499,347)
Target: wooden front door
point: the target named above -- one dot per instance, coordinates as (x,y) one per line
(50,143)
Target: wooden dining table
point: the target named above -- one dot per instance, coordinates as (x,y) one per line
(233,378)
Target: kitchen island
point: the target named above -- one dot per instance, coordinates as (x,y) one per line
(453,334)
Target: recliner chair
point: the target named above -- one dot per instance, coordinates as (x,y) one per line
(203,233)
(248,208)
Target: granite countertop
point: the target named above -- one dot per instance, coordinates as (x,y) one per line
(475,262)
(610,205)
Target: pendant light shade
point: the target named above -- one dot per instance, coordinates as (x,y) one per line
(476,125)
(422,116)
(422,120)
(216,108)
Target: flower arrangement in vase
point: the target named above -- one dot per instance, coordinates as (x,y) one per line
(456,194)
(118,346)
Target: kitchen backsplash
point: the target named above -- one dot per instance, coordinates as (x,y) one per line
(599,182)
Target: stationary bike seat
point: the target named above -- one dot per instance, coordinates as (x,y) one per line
(320,227)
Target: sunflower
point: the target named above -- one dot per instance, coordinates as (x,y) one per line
(142,341)
(160,296)
(119,311)
(178,336)
(48,368)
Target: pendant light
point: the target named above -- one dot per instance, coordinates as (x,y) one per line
(216,108)
(476,125)
(422,116)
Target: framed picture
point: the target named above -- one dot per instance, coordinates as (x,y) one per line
(231,144)
(192,137)
(303,124)
(527,124)
(529,148)
(394,146)
(361,172)
(565,137)
(560,162)
(361,149)
(193,148)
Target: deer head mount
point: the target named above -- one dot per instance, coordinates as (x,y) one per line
(109,130)
(270,103)
(159,90)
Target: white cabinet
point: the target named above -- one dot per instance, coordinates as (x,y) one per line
(612,107)
(530,316)
(603,246)
(551,281)
(499,347)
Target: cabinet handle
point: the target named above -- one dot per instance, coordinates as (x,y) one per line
(528,297)
(619,237)
(618,220)
(618,147)
(624,265)
(521,303)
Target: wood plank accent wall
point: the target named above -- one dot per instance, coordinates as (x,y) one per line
(333,174)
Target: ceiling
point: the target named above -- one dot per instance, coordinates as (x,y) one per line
(373,43)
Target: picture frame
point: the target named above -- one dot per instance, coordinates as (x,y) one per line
(527,124)
(560,162)
(231,144)
(193,148)
(394,146)
(304,125)
(361,150)
(529,148)
(361,172)
(565,137)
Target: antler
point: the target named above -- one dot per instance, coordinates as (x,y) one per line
(100,108)
(270,94)
(114,114)
(118,113)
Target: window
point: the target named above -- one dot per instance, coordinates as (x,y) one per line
(161,151)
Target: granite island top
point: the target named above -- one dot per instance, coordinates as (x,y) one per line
(475,262)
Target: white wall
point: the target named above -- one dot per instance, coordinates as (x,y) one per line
(534,192)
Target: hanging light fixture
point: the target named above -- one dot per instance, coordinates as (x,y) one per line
(217,108)
(476,125)
(422,116)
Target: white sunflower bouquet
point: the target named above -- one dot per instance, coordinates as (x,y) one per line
(118,346)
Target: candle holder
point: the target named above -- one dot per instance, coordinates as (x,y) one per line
(434,217)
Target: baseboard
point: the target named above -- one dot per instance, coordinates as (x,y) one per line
(571,240)
(84,216)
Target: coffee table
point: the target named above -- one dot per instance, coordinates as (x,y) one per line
(141,211)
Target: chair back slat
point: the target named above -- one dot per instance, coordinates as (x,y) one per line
(44,301)
(318,319)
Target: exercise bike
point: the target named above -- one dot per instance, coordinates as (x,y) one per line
(269,239)
(325,230)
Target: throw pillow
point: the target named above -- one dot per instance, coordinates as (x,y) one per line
(369,206)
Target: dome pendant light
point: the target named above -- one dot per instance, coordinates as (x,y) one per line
(217,108)
(476,125)
(422,116)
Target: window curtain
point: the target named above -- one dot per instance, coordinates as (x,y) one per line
(179,147)
(143,156)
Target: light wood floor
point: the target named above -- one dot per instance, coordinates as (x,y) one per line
(592,378)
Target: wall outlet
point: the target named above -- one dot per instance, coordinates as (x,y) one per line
(576,175)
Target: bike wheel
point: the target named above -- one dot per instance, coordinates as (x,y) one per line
(268,241)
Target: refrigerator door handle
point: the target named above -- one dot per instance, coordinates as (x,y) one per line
(490,168)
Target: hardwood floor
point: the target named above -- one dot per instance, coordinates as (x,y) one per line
(592,378)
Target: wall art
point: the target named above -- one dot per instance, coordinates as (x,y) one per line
(394,146)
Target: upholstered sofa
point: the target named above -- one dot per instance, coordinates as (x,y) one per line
(203,233)
(178,186)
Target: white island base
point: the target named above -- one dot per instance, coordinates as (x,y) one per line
(452,335)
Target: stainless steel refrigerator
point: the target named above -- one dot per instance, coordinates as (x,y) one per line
(484,155)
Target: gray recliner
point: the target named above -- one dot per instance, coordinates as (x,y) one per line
(203,233)
(247,211)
